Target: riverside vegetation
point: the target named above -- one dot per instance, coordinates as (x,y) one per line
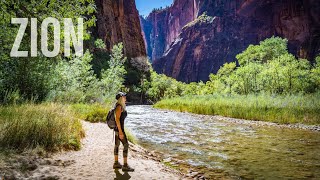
(279,109)
(42,100)
(269,84)
(55,123)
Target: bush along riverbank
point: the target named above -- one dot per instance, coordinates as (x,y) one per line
(49,126)
(289,109)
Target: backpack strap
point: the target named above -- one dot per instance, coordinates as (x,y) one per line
(114,112)
(117,104)
(113,137)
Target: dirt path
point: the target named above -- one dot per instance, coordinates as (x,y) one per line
(95,160)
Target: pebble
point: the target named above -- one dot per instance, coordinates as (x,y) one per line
(32,166)
(167,160)
(192,174)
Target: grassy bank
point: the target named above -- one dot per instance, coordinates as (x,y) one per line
(50,126)
(280,109)
(131,138)
(91,112)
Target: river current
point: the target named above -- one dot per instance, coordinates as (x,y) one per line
(221,149)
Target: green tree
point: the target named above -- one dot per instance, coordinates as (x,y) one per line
(295,73)
(30,76)
(315,74)
(165,87)
(211,85)
(113,78)
(246,78)
(224,76)
(286,74)
(74,81)
(267,50)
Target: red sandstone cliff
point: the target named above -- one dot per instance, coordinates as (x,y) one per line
(118,21)
(202,47)
(163,26)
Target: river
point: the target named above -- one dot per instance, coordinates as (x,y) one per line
(222,149)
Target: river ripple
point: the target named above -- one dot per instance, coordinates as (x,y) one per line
(222,149)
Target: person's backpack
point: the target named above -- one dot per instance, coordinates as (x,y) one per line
(111,121)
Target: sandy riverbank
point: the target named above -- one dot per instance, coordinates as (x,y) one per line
(93,161)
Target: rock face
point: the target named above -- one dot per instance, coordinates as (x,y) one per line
(191,52)
(146,28)
(163,26)
(118,21)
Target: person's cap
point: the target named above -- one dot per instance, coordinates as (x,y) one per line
(120,94)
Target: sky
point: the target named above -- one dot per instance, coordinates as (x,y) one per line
(146,6)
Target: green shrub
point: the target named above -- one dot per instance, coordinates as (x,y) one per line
(98,115)
(51,126)
(202,19)
(91,112)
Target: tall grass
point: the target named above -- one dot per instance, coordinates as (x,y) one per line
(51,126)
(91,112)
(131,138)
(280,109)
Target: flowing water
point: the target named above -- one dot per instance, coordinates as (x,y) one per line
(222,149)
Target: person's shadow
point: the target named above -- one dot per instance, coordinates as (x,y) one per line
(119,176)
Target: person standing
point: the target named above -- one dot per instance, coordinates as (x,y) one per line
(120,135)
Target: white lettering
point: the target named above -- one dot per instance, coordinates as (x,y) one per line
(56,37)
(77,42)
(69,34)
(15,48)
(34,37)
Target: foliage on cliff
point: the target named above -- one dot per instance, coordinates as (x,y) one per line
(203,18)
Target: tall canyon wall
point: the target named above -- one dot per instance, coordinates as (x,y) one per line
(118,21)
(188,49)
